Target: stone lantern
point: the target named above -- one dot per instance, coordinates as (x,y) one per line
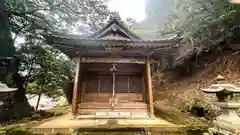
(6,100)
(228,123)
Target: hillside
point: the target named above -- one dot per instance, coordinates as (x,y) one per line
(175,89)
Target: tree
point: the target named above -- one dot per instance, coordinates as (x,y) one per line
(8,50)
(130,22)
(46,69)
(205,23)
(28,15)
(27,18)
(6,43)
(156,14)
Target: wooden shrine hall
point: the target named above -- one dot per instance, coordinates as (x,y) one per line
(113,73)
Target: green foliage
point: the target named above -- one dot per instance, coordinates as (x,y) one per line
(210,111)
(28,15)
(13,130)
(41,114)
(130,22)
(46,68)
(205,23)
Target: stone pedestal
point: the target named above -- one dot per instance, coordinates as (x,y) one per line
(228,123)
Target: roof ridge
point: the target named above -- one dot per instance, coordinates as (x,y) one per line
(115,19)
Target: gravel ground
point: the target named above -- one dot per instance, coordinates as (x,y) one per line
(44,104)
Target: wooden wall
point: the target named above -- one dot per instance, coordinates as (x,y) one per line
(97,78)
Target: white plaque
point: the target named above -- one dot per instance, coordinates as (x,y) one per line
(113,114)
(125,114)
(99,114)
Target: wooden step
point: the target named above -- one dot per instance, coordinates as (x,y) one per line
(113,114)
(115,110)
(93,105)
(109,117)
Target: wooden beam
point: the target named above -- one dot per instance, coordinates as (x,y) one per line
(149,84)
(127,50)
(112,60)
(122,70)
(75,88)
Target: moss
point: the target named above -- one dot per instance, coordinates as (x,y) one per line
(21,126)
(177,118)
(14,130)
(209,110)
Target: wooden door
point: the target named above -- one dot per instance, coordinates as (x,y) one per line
(99,88)
(128,88)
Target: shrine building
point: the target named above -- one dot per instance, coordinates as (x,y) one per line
(113,71)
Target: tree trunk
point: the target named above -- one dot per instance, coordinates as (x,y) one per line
(68,90)
(6,42)
(39,97)
(22,107)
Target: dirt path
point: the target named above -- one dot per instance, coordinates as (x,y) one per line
(66,121)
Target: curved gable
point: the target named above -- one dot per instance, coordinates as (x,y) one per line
(115,29)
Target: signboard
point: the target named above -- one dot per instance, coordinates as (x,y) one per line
(113,49)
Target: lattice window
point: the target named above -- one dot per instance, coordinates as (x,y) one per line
(92,84)
(135,84)
(122,83)
(106,84)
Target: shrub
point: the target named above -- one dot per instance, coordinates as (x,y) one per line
(201,108)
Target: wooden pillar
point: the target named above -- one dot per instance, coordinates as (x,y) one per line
(75,88)
(149,84)
(80,86)
(143,85)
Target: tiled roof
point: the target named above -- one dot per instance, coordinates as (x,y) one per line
(113,34)
(61,36)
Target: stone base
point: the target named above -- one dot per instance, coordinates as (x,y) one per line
(226,126)
(215,131)
(233,121)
